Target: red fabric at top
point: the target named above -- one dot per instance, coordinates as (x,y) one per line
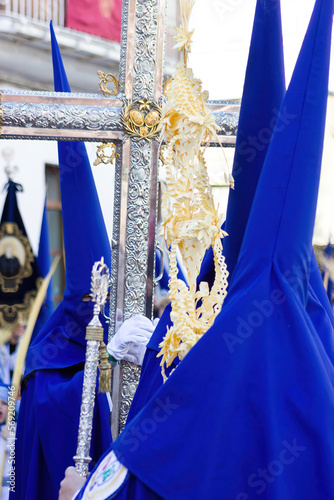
(97,17)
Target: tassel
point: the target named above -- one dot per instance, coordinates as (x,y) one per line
(105,370)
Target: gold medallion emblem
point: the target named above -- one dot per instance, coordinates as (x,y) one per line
(141,118)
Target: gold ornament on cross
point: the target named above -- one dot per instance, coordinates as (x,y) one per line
(106,153)
(141,118)
(106,78)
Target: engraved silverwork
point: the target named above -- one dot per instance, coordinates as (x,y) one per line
(94,337)
(76,117)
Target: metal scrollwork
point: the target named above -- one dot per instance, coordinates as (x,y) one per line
(44,118)
(141,118)
(123,53)
(106,78)
(115,240)
(145,55)
(137,227)
(228,123)
(60,117)
(34,93)
(130,376)
(102,154)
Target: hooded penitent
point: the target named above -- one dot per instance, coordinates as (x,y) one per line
(249,411)
(19,273)
(49,415)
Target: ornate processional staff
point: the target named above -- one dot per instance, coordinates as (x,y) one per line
(94,337)
(128,119)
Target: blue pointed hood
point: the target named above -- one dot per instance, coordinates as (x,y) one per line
(249,411)
(59,74)
(264,90)
(82,215)
(85,242)
(283,211)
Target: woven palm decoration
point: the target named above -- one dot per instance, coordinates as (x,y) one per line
(191,222)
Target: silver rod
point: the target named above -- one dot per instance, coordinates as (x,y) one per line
(82,457)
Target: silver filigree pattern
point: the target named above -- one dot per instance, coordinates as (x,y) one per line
(99,283)
(55,119)
(228,123)
(137,227)
(145,53)
(224,102)
(140,187)
(130,374)
(82,458)
(123,52)
(94,336)
(114,267)
(138,72)
(34,93)
(135,272)
(58,117)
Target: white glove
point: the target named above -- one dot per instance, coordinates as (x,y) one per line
(129,342)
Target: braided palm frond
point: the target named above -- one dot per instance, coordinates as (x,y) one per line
(191,223)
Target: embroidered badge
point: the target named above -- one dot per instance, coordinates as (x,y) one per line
(106,480)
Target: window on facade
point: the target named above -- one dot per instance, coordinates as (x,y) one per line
(53,205)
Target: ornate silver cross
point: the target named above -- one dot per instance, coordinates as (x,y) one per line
(90,117)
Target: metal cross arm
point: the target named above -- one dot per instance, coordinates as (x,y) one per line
(85,117)
(60,116)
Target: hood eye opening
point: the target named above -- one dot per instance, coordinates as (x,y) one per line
(86,298)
